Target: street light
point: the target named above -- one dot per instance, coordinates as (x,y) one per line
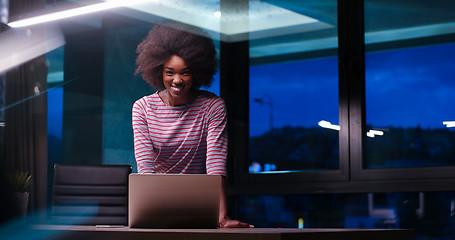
(266,99)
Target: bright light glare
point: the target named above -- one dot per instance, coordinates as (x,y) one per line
(217,14)
(377,132)
(74,12)
(20,45)
(326,124)
(371,133)
(449,124)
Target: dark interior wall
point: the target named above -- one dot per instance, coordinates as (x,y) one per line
(99,91)
(83,97)
(121,89)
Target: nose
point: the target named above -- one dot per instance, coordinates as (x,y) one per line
(177,79)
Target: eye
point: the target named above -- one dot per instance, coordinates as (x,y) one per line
(168,73)
(186,73)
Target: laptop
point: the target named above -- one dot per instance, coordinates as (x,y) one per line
(173,200)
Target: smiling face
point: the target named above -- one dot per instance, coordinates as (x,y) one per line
(177,78)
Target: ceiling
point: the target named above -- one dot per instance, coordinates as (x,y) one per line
(280,27)
(277,30)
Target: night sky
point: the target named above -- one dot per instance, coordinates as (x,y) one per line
(404,88)
(302,92)
(410,87)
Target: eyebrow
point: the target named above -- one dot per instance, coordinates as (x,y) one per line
(187,68)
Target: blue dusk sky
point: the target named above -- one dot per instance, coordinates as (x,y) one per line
(404,88)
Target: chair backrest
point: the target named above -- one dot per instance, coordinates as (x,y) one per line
(90,194)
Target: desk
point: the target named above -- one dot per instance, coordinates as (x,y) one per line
(92,232)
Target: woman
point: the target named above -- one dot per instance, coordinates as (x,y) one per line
(180,129)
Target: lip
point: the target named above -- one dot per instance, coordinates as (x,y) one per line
(177,89)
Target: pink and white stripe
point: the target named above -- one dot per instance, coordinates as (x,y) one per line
(184,139)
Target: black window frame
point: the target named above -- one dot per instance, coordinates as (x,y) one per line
(351,177)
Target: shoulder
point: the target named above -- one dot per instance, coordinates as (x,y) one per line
(213,104)
(210,98)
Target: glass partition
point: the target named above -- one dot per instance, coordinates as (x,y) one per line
(91,81)
(67,91)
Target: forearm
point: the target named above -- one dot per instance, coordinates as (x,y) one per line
(223,208)
(224,220)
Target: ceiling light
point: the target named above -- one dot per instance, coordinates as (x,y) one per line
(74,12)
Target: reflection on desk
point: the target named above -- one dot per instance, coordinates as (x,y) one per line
(119,232)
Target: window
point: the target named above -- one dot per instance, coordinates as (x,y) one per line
(382,135)
(293,97)
(408,85)
(292,107)
(408,96)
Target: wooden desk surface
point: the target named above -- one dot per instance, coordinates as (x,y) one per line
(112,233)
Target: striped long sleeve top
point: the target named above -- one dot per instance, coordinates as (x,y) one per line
(191,138)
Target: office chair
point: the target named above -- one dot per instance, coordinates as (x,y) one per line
(90,194)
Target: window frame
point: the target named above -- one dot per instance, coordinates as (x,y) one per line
(351,177)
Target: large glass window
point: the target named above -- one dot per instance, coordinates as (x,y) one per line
(294,94)
(409,84)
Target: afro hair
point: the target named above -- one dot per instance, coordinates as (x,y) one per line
(190,43)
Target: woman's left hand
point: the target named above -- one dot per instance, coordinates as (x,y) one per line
(229,223)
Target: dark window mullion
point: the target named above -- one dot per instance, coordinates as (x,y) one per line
(351,49)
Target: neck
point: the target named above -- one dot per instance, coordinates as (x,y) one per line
(179,100)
